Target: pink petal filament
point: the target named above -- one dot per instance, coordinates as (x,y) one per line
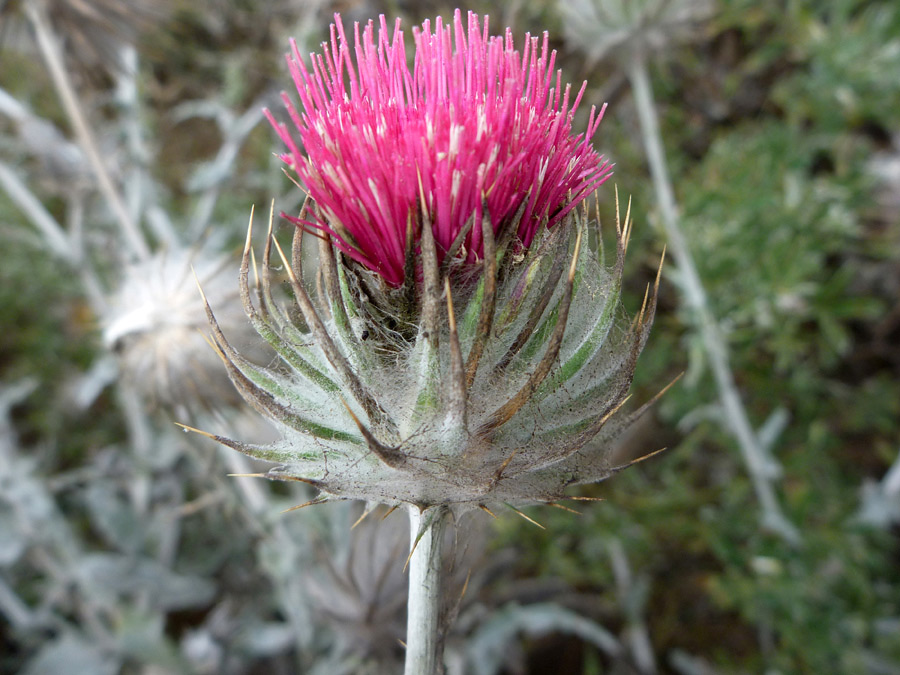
(474,119)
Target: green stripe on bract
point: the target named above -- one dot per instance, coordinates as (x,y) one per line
(292,357)
(321,431)
(269,382)
(544,330)
(428,397)
(588,348)
(513,305)
(539,337)
(346,295)
(344,309)
(470,317)
(267,398)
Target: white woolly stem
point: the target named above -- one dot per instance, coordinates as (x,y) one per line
(424,641)
(695,297)
(50,49)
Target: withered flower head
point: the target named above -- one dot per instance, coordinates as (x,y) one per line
(153,324)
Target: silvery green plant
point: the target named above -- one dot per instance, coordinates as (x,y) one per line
(89,582)
(463,344)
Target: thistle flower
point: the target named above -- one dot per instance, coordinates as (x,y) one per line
(475,120)
(453,184)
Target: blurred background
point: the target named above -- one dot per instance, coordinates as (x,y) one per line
(759,140)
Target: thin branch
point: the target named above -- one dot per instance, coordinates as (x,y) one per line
(48,44)
(695,297)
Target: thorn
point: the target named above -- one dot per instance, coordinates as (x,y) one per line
(421,191)
(639,460)
(499,473)
(248,258)
(574,262)
(297,479)
(618,218)
(197,431)
(284,261)
(628,226)
(564,508)
(199,286)
(390,511)
(662,259)
(360,519)
(247,475)
(579,498)
(451,319)
(603,420)
(249,231)
(311,502)
(409,557)
(668,386)
(465,587)
(530,520)
(639,321)
(423,528)
(487,510)
(255,269)
(267,251)
(297,251)
(414,547)
(212,345)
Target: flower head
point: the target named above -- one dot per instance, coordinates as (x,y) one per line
(499,386)
(474,121)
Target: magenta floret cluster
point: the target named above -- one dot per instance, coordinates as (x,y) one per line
(474,120)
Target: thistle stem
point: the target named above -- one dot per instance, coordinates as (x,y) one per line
(755,457)
(424,638)
(49,45)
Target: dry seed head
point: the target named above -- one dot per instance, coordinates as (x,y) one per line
(155,325)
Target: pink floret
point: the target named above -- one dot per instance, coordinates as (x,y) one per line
(474,118)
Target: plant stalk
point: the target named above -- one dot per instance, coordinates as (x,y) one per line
(695,296)
(48,44)
(424,638)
